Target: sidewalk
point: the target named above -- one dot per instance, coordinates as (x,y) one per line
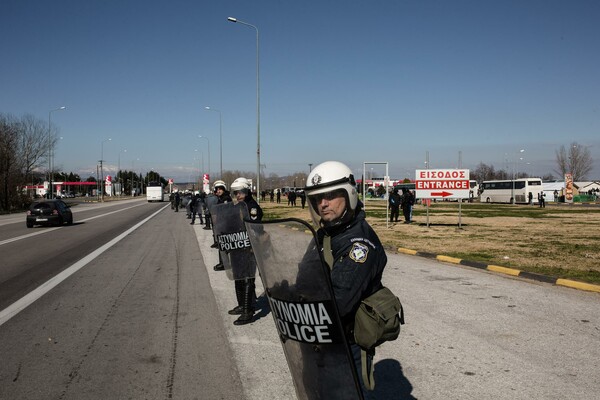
(256,347)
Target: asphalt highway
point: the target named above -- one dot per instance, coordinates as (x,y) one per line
(133,309)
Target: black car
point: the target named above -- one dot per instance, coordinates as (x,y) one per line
(49,212)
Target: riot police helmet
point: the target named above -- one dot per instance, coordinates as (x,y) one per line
(219,184)
(327,181)
(241,185)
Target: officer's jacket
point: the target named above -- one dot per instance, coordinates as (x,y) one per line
(224,198)
(254,210)
(359,260)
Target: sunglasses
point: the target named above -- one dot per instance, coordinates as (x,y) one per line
(317,198)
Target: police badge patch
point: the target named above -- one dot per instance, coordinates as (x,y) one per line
(359,253)
(253,213)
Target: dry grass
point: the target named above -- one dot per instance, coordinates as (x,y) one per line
(560,240)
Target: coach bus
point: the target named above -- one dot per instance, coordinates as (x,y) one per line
(511,191)
(154,192)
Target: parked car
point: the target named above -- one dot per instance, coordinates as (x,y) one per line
(49,212)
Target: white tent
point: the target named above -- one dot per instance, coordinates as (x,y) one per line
(585,187)
(549,188)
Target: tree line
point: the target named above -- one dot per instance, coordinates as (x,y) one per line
(27,142)
(575,159)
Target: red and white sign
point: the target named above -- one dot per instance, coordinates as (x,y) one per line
(442,183)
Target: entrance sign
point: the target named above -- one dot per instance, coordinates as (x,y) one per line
(442,183)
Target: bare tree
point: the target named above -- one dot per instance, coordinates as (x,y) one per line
(9,172)
(576,160)
(34,145)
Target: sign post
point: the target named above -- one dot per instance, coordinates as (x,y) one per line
(442,184)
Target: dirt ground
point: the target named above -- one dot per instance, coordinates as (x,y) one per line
(562,241)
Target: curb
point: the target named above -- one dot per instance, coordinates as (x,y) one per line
(506,271)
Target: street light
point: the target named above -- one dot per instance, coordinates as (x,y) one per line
(515,172)
(220,137)
(102,167)
(119,171)
(208,141)
(50,192)
(235,20)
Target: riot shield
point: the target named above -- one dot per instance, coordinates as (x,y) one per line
(298,287)
(232,239)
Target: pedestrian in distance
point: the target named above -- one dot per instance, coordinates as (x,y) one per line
(245,289)
(542,199)
(302,196)
(394,205)
(350,247)
(292,198)
(177,201)
(407,203)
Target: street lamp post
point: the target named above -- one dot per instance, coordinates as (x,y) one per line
(515,173)
(102,168)
(50,193)
(119,171)
(208,141)
(220,138)
(235,20)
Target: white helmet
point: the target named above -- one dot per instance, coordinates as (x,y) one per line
(328,177)
(219,184)
(241,184)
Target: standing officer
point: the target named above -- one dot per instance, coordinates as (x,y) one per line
(209,201)
(407,204)
(223,196)
(351,247)
(245,288)
(177,201)
(394,205)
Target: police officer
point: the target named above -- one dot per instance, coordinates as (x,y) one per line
(351,247)
(209,201)
(223,196)
(177,201)
(196,205)
(245,288)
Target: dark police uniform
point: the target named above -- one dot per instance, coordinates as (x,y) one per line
(245,289)
(358,263)
(224,198)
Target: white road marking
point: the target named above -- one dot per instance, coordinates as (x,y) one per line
(44,288)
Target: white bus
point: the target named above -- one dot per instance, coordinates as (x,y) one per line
(154,192)
(511,191)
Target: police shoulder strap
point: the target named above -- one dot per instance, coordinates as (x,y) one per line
(327,252)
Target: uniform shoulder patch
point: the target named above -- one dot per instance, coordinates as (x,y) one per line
(359,253)
(253,213)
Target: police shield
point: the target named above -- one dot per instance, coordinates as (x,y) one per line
(298,287)
(232,240)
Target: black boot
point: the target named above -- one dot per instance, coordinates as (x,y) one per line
(219,267)
(247,315)
(239,295)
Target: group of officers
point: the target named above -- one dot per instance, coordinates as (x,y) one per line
(354,254)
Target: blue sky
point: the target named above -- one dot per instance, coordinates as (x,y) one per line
(355,81)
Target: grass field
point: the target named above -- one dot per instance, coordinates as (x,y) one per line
(560,240)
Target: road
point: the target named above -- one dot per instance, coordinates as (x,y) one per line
(147,318)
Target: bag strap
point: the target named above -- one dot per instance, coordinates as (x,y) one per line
(327,253)
(367,376)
